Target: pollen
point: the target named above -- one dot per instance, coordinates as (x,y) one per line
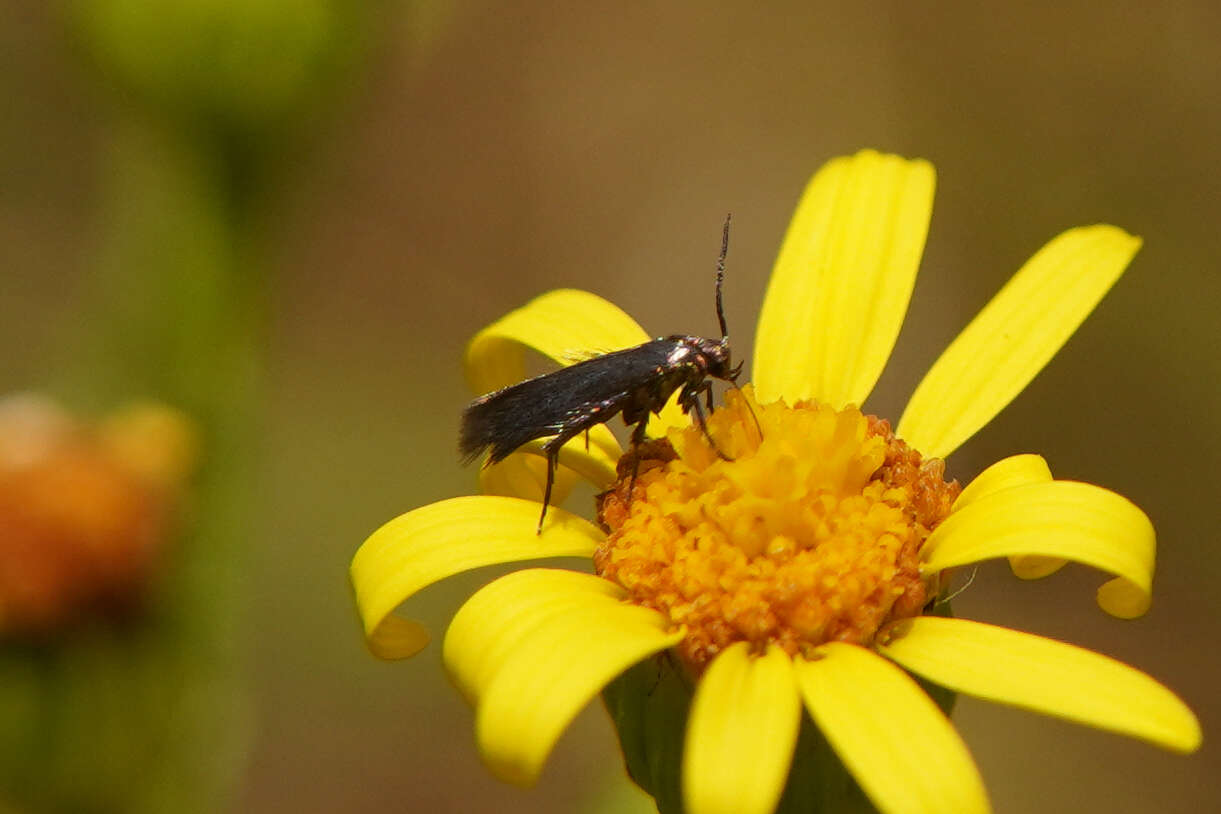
(802,526)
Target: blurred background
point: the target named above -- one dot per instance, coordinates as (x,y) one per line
(288,217)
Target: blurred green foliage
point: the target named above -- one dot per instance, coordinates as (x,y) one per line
(203,95)
(250,66)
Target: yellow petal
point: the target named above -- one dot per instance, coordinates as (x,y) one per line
(558,325)
(524,476)
(566,325)
(396,638)
(843,279)
(1033,566)
(533,648)
(1016,470)
(740,733)
(889,734)
(487,629)
(1124,599)
(1044,676)
(524,473)
(1014,336)
(427,544)
(1065,519)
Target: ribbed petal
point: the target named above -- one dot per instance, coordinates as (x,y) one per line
(524,474)
(1044,676)
(1016,470)
(1014,336)
(423,546)
(1032,566)
(1075,521)
(740,734)
(558,324)
(843,279)
(566,325)
(533,648)
(1123,598)
(489,627)
(898,745)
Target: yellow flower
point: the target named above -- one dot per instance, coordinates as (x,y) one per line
(802,571)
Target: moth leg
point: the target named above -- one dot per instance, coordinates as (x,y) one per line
(689,399)
(637,440)
(552,448)
(638,432)
(553,456)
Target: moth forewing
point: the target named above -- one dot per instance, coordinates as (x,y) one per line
(634,382)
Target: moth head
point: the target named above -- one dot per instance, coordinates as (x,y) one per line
(715,360)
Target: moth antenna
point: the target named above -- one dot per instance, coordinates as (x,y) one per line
(720,276)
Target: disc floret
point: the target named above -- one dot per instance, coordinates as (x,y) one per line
(810,533)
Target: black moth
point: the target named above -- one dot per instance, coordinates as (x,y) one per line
(634,381)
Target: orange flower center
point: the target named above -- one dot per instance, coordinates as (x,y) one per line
(810,533)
